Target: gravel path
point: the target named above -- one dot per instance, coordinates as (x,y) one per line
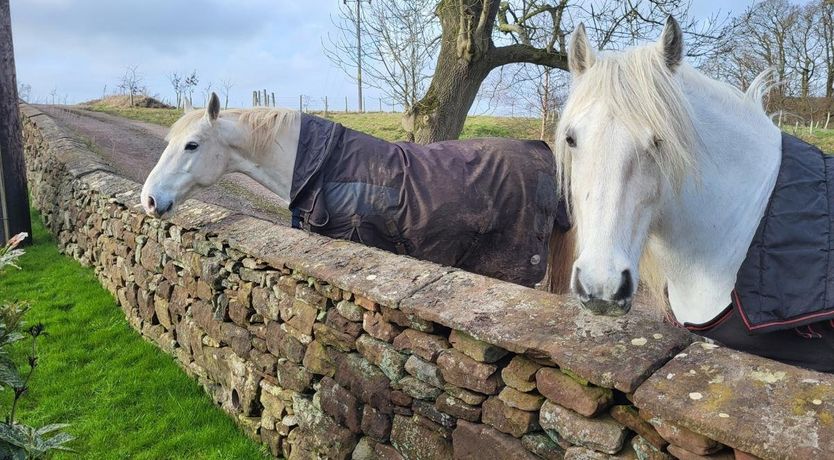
(133,147)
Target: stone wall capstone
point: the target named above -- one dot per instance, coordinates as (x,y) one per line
(323,348)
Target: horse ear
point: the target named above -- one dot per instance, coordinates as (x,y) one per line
(671,43)
(213,109)
(581,55)
(187,107)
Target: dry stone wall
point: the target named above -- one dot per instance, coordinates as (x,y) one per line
(327,349)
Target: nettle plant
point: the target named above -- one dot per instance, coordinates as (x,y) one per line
(19,441)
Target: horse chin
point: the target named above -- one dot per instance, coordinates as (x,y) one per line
(607,307)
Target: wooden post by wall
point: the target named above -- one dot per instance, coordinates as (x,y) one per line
(346,105)
(325,106)
(300,103)
(14,198)
(273,99)
(266,99)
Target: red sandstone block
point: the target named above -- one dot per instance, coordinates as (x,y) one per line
(475,441)
(560,388)
(424,345)
(463,371)
(340,404)
(508,419)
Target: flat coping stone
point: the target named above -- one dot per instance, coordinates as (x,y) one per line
(107,184)
(196,214)
(760,406)
(612,352)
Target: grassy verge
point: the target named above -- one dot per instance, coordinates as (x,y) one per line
(387,125)
(123,396)
(822,138)
(383,125)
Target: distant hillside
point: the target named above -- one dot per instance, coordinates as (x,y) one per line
(146,102)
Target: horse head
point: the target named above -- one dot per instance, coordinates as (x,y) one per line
(624,145)
(200,146)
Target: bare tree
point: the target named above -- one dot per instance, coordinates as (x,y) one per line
(206,93)
(52,94)
(226,84)
(24,91)
(826,32)
(805,47)
(189,83)
(131,82)
(478,36)
(401,39)
(176,81)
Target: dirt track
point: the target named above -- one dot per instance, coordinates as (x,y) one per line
(133,147)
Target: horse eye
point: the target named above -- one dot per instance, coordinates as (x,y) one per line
(191,146)
(571,141)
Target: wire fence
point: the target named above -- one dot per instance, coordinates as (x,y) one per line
(307,103)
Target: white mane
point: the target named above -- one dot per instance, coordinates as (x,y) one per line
(264,125)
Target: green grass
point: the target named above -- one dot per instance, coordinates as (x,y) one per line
(822,138)
(383,125)
(387,125)
(123,396)
(164,117)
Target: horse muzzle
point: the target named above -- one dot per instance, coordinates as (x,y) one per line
(606,307)
(156,207)
(598,302)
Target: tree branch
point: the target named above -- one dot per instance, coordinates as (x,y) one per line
(528,54)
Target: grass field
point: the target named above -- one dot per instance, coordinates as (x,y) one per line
(383,125)
(122,395)
(387,125)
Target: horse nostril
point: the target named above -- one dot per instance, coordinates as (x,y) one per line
(578,288)
(151,203)
(625,290)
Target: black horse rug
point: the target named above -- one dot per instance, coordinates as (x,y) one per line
(783,301)
(486,206)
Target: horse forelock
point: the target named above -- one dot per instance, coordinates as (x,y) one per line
(639,91)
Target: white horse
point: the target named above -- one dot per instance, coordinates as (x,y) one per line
(685,182)
(488,206)
(665,165)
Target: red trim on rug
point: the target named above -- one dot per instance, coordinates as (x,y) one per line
(776,323)
(715,322)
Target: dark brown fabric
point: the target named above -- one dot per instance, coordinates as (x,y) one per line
(486,205)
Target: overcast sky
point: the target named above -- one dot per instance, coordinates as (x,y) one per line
(76,47)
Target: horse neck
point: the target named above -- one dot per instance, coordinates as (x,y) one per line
(704,233)
(273,166)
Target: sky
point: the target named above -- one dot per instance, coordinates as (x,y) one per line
(75,47)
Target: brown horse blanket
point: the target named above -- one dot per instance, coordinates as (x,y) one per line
(783,301)
(486,205)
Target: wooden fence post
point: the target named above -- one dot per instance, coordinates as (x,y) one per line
(14,198)
(301,103)
(346,105)
(325,106)
(273,99)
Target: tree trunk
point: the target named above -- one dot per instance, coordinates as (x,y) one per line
(441,113)
(467,56)
(14,198)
